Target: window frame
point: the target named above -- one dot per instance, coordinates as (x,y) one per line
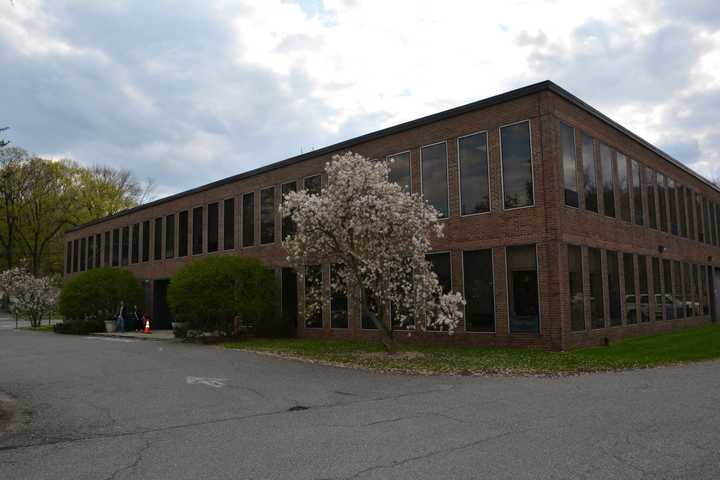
(577,171)
(447,175)
(507,290)
(409,152)
(459,178)
(452,276)
(274,214)
(532,166)
(494,288)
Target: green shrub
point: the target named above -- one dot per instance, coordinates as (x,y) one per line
(79,327)
(212,292)
(96,294)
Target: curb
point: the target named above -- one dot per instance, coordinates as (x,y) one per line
(146,337)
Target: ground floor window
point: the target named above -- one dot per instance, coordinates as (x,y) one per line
(643,304)
(523,299)
(313,296)
(657,290)
(479,291)
(289,296)
(631,301)
(668,297)
(370,310)
(613,279)
(339,317)
(597,298)
(678,291)
(440,263)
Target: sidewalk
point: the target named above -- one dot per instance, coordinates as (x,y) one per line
(157,335)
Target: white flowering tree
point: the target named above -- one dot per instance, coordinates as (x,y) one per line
(31,298)
(375,234)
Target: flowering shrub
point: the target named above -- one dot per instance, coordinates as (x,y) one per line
(31,298)
(376,235)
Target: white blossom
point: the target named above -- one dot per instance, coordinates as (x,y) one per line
(31,298)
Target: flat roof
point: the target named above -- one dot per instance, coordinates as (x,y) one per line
(453,112)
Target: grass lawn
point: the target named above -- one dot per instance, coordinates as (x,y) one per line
(688,345)
(42,328)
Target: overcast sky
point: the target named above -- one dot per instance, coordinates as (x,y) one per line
(188,92)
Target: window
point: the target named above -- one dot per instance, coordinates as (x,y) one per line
(706,221)
(606,168)
(637,193)
(213,217)
(106,248)
(704,289)
(668,297)
(623,186)
(158,239)
(76,255)
(613,279)
(98,251)
(516,157)
(658,293)
(674,227)
(440,264)
(699,217)
(682,214)
(125,259)
(433,164)
(697,291)
(479,291)
(68,257)
(643,304)
(267,215)
(183,233)
(83,245)
(597,299)
(678,290)
(313,185)
(474,180)
(710,207)
(632,303)
(90,252)
(197,230)
(589,171)
(313,296)
(288,226)
(289,297)
(229,224)
(399,165)
(690,200)
(170,236)
(370,310)
(662,196)
(248,220)
(716,220)
(116,247)
(569,166)
(146,240)
(575,288)
(689,298)
(338,303)
(651,200)
(135,245)
(524,305)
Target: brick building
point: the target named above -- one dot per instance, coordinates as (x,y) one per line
(563,228)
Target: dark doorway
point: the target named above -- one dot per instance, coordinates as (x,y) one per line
(715,292)
(289,299)
(162,317)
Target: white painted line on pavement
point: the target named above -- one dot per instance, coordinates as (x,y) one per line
(210,382)
(112,339)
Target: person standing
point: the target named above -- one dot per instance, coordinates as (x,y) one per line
(137,319)
(121,317)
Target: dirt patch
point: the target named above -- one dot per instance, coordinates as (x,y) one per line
(391,356)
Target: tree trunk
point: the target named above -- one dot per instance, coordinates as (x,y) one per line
(386,333)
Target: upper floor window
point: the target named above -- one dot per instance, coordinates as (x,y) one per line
(474,179)
(672,200)
(229,224)
(662,202)
(623,186)
(433,168)
(83,243)
(146,241)
(197,230)
(400,169)
(313,184)
(158,243)
(106,249)
(651,197)
(248,220)
(606,169)
(183,231)
(68,257)
(267,215)
(517,173)
(116,247)
(125,259)
(288,226)
(170,236)
(212,227)
(637,193)
(98,251)
(135,244)
(569,165)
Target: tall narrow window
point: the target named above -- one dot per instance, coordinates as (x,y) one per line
(76,255)
(433,164)
(688,284)
(699,218)
(613,289)
(682,214)
(288,226)
(575,288)
(651,201)
(400,169)
(338,302)
(662,204)
(668,294)
(289,297)
(370,311)
(637,193)
(106,249)
(440,263)
(146,241)
(313,185)
(197,230)
(709,206)
(170,236)
(674,226)
(706,221)
(83,245)
(643,305)
(589,171)
(90,252)
(125,258)
(248,220)
(183,232)
(517,172)
(116,247)
(313,296)
(68,257)
(569,166)
(632,303)
(213,227)
(678,290)
(158,244)
(716,222)
(135,244)
(474,180)
(229,224)
(623,187)
(658,292)
(524,304)
(704,271)
(479,291)
(98,250)
(606,167)
(267,215)
(690,200)
(597,299)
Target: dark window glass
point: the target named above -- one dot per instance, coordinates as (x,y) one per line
(597,299)
(651,200)
(197,230)
(689,299)
(644,300)
(370,309)
(248,220)
(267,215)
(716,221)
(517,165)
(116,247)
(288,226)
(632,303)
(479,291)
(606,168)
(106,248)
(98,250)
(399,165)
(146,240)
(704,289)
(76,255)
(183,231)
(90,252)
(699,217)
(213,217)
(569,166)
(313,296)
(690,201)
(68,257)
(637,193)
(714,211)
(523,289)
(170,236)
(672,201)
(135,244)
(433,159)
(440,264)
(83,252)
(623,187)
(682,217)
(289,298)
(474,184)
(338,303)
(313,185)
(158,239)
(662,204)
(614,289)
(658,293)
(668,295)
(589,171)
(229,224)
(697,289)
(678,290)
(575,288)
(706,221)
(125,259)
(710,215)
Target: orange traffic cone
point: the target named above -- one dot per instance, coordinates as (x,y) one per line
(147,327)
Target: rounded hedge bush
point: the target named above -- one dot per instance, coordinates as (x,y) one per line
(96,294)
(212,292)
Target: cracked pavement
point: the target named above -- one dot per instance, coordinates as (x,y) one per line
(88,409)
